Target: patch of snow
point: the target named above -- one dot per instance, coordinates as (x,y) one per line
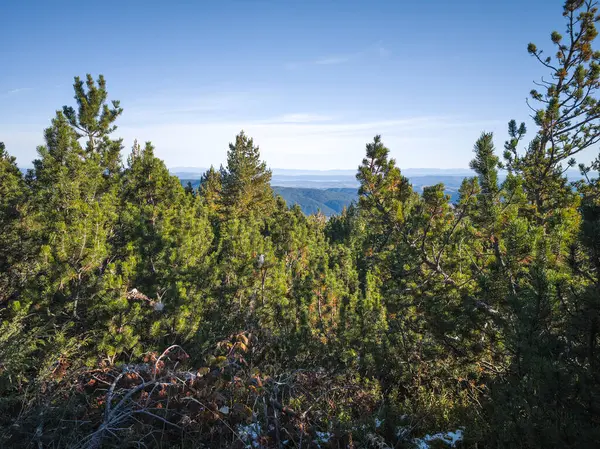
(322,437)
(402,432)
(159,306)
(250,434)
(420,444)
(378,423)
(448,438)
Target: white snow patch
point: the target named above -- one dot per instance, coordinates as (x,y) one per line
(190,377)
(449,438)
(250,434)
(322,437)
(402,432)
(159,306)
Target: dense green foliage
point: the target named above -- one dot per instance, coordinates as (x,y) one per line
(137,312)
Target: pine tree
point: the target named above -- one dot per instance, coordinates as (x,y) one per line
(386,199)
(161,250)
(568,115)
(210,190)
(13,238)
(73,206)
(94,120)
(246,181)
(17,267)
(536,247)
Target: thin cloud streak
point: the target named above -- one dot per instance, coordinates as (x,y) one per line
(304,118)
(300,140)
(310,124)
(16,91)
(333,60)
(377,49)
(317,145)
(19,90)
(201,106)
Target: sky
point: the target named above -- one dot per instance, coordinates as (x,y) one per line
(312,81)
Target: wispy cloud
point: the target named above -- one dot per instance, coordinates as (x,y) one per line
(173,106)
(304,118)
(381,50)
(306,140)
(332,60)
(326,60)
(378,49)
(295,140)
(18,90)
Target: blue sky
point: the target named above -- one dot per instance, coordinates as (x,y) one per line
(312,81)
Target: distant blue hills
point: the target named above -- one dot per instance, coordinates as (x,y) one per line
(330,191)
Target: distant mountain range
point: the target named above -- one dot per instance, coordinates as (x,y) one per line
(328,201)
(322,179)
(329,191)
